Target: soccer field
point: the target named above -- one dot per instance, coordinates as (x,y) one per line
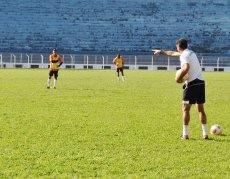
(93,126)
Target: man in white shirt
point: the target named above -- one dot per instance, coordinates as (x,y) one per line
(194,87)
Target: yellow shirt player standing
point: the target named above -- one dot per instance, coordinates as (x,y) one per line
(55,62)
(119,62)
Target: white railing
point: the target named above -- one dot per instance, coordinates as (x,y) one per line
(86,61)
(1,60)
(218,63)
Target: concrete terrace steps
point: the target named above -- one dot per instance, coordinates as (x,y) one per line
(108,25)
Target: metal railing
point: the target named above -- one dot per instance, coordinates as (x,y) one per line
(103,60)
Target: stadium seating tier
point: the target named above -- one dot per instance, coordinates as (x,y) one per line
(108,25)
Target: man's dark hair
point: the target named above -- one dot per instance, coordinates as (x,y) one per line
(182,43)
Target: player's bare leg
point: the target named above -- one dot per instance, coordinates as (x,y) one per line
(123,77)
(186,118)
(118,75)
(48,82)
(55,83)
(203,119)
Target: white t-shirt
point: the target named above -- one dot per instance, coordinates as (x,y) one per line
(195,71)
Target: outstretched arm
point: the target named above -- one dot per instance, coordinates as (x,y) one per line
(166,52)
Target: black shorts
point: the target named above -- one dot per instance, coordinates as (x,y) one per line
(194,92)
(120,69)
(55,73)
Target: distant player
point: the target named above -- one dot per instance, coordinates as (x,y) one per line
(119,62)
(194,88)
(55,62)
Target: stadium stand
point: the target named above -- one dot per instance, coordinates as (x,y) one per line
(108,25)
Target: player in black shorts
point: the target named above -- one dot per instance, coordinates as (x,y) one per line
(119,62)
(55,62)
(194,92)
(194,88)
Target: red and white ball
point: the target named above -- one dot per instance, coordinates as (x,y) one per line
(216,129)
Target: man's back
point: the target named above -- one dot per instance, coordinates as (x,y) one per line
(195,71)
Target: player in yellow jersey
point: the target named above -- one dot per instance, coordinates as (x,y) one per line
(119,62)
(55,62)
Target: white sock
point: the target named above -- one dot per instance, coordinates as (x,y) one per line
(204,129)
(55,83)
(185,130)
(48,82)
(123,79)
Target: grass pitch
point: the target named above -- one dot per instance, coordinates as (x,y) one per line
(93,126)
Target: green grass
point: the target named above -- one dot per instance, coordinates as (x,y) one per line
(93,126)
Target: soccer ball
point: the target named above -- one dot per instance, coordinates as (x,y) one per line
(178,72)
(216,129)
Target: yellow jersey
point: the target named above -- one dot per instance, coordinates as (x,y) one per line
(55,60)
(119,62)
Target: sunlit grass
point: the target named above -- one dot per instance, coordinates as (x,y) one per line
(95,126)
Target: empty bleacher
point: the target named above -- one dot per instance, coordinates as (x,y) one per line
(107,25)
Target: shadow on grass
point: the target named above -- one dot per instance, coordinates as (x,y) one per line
(223,135)
(216,138)
(221,138)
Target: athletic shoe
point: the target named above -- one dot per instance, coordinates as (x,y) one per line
(184,137)
(48,87)
(54,87)
(205,137)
